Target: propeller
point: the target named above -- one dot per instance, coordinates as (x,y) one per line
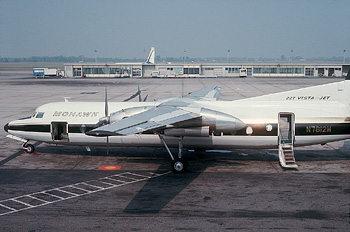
(107,119)
(138,93)
(145,98)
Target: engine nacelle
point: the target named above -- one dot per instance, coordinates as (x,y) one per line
(219,122)
(190,131)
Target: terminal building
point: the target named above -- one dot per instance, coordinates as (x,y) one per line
(179,70)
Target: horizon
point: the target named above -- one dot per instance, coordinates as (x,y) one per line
(196,28)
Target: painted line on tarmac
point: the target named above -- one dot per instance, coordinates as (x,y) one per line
(235,85)
(38,199)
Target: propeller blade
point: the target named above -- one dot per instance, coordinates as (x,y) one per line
(106,103)
(107,146)
(145,98)
(132,96)
(139,92)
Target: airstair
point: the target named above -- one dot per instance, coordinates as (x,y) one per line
(286,137)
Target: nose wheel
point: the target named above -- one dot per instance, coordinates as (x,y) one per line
(29,148)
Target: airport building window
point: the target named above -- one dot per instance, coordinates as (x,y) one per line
(209,69)
(309,71)
(136,72)
(77,72)
(232,70)
(111,70)
(270,70)
(191,70)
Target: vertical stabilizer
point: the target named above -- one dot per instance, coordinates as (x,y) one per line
(151,56)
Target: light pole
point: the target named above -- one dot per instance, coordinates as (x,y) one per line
(291,55)
(344,55)
(228,55)
(184,55)
(95,55)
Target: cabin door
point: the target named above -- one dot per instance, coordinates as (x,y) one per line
(286,128)
(59,131)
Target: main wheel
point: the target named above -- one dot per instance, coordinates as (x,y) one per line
(179,165)
(29,148)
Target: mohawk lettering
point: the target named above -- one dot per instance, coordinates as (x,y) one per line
(75,114)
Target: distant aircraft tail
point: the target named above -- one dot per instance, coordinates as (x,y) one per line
(151,56)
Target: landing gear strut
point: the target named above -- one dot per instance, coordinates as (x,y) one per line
(178,164)
(29,148)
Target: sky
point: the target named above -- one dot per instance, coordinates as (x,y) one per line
(204,28)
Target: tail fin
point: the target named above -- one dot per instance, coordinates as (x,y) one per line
(336,91)
(151,56)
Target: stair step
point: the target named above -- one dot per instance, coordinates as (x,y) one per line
(286,153)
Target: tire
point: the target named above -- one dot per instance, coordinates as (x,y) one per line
(179,165)
(30,148)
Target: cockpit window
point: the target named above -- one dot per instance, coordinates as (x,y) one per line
(33,115)
(39,115)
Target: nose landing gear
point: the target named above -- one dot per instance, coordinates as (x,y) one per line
(29,148)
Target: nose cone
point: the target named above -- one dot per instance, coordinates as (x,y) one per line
(6,127)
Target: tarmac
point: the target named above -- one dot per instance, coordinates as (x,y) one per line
(243,190)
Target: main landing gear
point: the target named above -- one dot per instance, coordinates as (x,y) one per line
(29,148)
(178,164)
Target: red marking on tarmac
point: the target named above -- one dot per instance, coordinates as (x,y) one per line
(110,167)
(24,152)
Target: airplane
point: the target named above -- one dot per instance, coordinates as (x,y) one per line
(199,120)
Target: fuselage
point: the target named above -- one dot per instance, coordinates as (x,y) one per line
(321,115)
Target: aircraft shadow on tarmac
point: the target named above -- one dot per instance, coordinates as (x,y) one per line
(158,192)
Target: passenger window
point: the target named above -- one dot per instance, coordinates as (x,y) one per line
(39,115)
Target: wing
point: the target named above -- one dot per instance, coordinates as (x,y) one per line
(153,119)
(166,114)
(207,93)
